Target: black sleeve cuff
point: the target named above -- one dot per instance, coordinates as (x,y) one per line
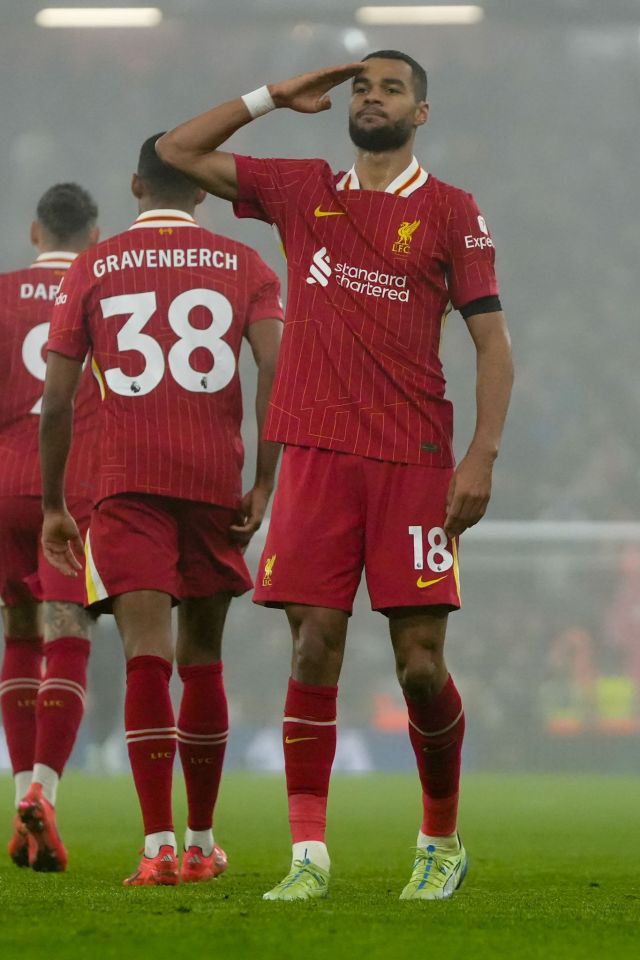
(481,305)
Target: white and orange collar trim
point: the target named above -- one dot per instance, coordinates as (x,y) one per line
(163,218)
(403,186)
(55,259)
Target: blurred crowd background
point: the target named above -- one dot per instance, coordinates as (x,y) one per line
(535,111)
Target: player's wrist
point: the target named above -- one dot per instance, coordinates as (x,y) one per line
(53,506)
(483,450)
(258,102)
(264,485)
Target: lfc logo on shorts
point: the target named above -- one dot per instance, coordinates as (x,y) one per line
(268,570)
(406,231)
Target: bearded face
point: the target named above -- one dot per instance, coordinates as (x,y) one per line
(373,132)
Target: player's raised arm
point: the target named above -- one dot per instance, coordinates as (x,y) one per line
(470,488)
(193,146)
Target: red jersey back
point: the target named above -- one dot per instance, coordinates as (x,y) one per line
(26,302)
(163,308)
(371,275)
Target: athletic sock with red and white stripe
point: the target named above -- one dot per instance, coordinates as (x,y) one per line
(309,738)
(436,731)
(151,742)
(59,709)
(20,679)
(203,730)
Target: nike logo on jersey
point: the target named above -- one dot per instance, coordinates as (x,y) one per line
(318,212)
(428,583)
(298,739)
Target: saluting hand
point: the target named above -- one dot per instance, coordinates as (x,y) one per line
(308,93)
(469,493)
(61,542)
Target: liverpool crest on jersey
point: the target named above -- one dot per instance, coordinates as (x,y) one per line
(406,231)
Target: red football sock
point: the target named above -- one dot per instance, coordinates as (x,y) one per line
(19,681)
(203,731)
(61,700)
(436,731)
(309,737)
(151,738)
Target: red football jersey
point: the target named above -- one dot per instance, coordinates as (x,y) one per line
(163,308)
(371,275)
(26,302)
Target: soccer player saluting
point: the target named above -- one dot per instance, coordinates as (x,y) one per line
(163,308)
(375,256)
(41,711)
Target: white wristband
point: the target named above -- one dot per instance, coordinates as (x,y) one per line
(259,102)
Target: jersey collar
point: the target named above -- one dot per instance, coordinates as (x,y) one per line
(403,186)
(55,259)
(163,218)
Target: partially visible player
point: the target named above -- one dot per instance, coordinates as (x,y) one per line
(42,684)
(375,256)
(164,308)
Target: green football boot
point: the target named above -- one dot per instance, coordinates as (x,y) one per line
(436,874)
(305,881)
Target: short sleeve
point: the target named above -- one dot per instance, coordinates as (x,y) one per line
(471,269)
(253,177)
(266,187)
(68,333)
(265,301)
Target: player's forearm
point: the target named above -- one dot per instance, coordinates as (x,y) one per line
(494,380)
(193,147)
(56,425)
(268,452)
(203,134)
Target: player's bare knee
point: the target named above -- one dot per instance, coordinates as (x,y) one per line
(318,636)
(202,649)
(421,676)
(147,646)
(22,620)
(317,656)
(63,619)
(200,629)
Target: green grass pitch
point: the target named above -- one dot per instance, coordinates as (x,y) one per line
(554,873)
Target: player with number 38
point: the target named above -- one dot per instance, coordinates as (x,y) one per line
(163,309)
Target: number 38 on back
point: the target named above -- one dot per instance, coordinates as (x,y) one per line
(140,307)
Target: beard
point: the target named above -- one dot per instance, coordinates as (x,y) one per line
(381,139)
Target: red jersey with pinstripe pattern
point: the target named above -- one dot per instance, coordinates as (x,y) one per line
(164,307)
(26,302)
(370,277)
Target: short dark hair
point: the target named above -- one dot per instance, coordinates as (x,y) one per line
(66,210)
(419,73)
(165,182)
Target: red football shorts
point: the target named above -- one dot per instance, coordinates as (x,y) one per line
(146,542)
(24,573)
(335,514)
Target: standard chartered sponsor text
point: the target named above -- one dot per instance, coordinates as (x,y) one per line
(173,257)
(373,283)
